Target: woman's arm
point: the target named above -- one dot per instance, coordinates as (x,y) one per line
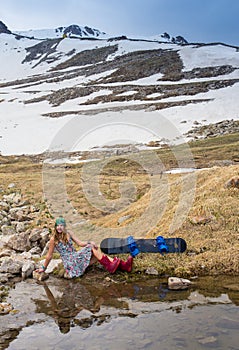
(81,243)
(48,256)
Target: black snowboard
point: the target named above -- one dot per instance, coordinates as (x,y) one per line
(141,245)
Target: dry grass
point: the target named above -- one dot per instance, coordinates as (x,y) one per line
(213,244)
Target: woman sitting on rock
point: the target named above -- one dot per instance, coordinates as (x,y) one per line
(75,262)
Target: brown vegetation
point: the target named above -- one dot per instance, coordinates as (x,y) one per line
(211,227)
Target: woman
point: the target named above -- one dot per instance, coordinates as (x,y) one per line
(76,262)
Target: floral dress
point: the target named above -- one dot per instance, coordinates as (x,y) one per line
(75,262)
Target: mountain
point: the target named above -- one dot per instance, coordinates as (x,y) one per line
(71,31)
(4,29)
(97,90)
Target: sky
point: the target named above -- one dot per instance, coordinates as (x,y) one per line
(197,21)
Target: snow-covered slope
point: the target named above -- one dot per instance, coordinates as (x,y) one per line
(74,94)
(72,30)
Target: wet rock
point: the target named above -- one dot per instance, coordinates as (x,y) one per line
(208,340)
(54,264)
(27,269)
(227,323)
(40,276)
(176,283)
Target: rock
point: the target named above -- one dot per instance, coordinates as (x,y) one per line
(11,185)
(40,276)
(45,249)
(20,227)
(12,198)
(5,308)
(151,271)
(35,235)
(20,242)
(208,340)
(45,237)
(8,230)
(178,283)
(6,252)
(233,182)
(211,130)
(35,251)
(4,278)
(11,266)
(123,218)
(201,220)
(27,269)
(25,255)
(54,264)
(4,206)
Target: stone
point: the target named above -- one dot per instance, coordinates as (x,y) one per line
(54,264)
(233,182)
(35,235)
(11,266)
(3,278)
(40,276)
(20,242)
(6,252)
(20,227)
(5,308)
(151,271)
(178,283)
(8,230)
(27,269)
(123,218)
(201,220)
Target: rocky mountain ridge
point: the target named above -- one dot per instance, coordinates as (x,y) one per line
(80,32)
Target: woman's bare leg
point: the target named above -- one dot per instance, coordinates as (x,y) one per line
(93,260)
(97,253)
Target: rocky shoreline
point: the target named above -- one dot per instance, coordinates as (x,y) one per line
(20,245)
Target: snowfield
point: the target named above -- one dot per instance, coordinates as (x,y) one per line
(25,130)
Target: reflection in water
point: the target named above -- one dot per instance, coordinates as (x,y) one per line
(139,315)
(64,307)
(67,302)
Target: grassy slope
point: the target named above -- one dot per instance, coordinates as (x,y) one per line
(213,247)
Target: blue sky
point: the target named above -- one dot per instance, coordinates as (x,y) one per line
(196,20)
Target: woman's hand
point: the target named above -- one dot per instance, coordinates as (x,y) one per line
(40,270)
(94,245)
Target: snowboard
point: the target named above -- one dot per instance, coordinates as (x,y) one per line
(140,245)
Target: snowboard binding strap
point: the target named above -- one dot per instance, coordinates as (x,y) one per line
(132,246)
(162,246)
